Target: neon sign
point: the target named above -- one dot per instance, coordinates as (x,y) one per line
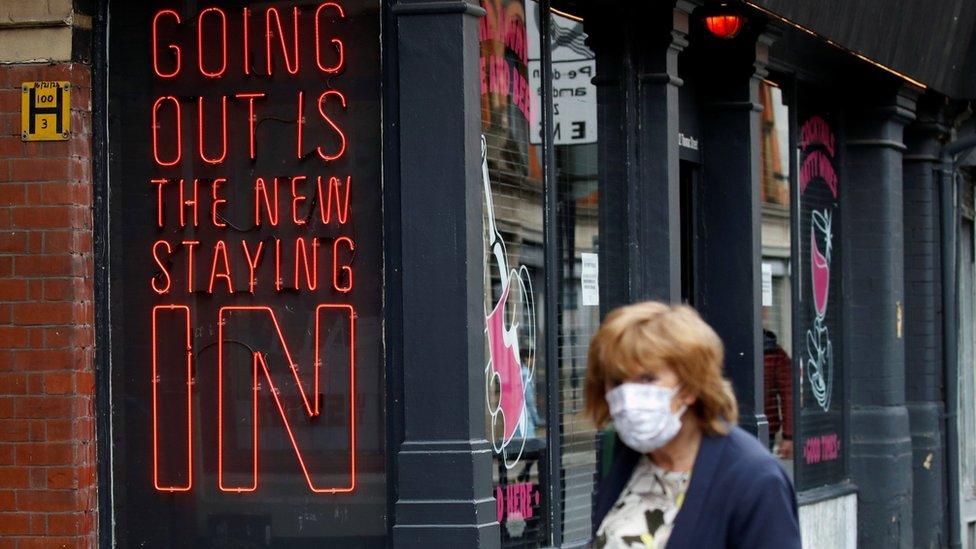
(245,275)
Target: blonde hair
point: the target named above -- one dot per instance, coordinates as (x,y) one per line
(644,337)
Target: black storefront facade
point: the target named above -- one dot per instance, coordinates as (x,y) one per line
(353,253)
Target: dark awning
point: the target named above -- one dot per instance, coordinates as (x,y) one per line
(927,41)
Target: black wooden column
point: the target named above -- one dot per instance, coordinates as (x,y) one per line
(873,312)
(729,218)
(923,321)
(444,463)
(637,49)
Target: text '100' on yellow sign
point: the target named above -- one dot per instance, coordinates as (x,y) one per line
(45,112)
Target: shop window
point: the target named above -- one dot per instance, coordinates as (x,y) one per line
(514,271)
(544,450)
(819,446)
(777,262)
(577,248)
(246,274)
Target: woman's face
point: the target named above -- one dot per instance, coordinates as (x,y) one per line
(662,376)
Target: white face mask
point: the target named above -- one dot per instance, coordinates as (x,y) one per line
(642,415)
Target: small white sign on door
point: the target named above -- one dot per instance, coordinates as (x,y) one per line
(590,279)
(767,284)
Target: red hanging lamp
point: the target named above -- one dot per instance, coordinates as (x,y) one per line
(725,26)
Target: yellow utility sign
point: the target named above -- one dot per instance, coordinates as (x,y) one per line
(45,112)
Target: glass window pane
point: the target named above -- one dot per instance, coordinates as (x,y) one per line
(777,263)
(577,244)
(514,273)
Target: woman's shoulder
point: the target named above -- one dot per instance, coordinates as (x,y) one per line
(744,458)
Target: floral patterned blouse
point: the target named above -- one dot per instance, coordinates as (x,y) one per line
(643,515)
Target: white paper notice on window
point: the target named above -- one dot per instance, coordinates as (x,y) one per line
(590,279)
(767,284)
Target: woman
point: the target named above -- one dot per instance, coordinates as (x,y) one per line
(685,475)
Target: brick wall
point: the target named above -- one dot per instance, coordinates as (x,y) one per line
(47,441)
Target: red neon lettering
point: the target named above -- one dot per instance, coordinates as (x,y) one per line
(189,402)
(261,193)
(159,199)
(345,268)
(342,136)
(277,265)
(247,42)
(311,405)
(223,43)
(190,244)
(300,122)
(296,198)
(268,14)
(335,41)
(341,204)
(223,131)
(162,267)
(220,250)
(250,115)
(179,131)
(252,262)
(193,204)
(174,48)
(301,252)
(216,201)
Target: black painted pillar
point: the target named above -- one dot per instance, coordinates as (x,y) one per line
(729,218)
(444,463)
(637,47)
(873,309)
(923,322)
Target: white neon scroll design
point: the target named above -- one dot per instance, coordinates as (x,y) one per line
(820,350)
(818,165)
(506,318)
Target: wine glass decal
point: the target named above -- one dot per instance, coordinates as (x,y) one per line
(508,320)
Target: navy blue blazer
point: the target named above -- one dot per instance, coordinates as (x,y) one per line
(739,496)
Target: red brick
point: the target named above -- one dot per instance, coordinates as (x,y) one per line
(38,524)
(14,337)
(36,338)
(46,500)
(7,500)
(38,477)
(68,336)
(35,242)
(11,147)
(66,524)
(55,194)
(12,430)
(59,478)
(41,407)
(60,430)
(49,149)
(6,454)
(67,241)
(27,314)
(47,217)
(14,477)
(35,289)
(39,169)
(51,543)
(13,194)
(59,383)
(13,384)
(48,265)
(10,124)
(13,242)
(14,523)
(44,453)
(10,100)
